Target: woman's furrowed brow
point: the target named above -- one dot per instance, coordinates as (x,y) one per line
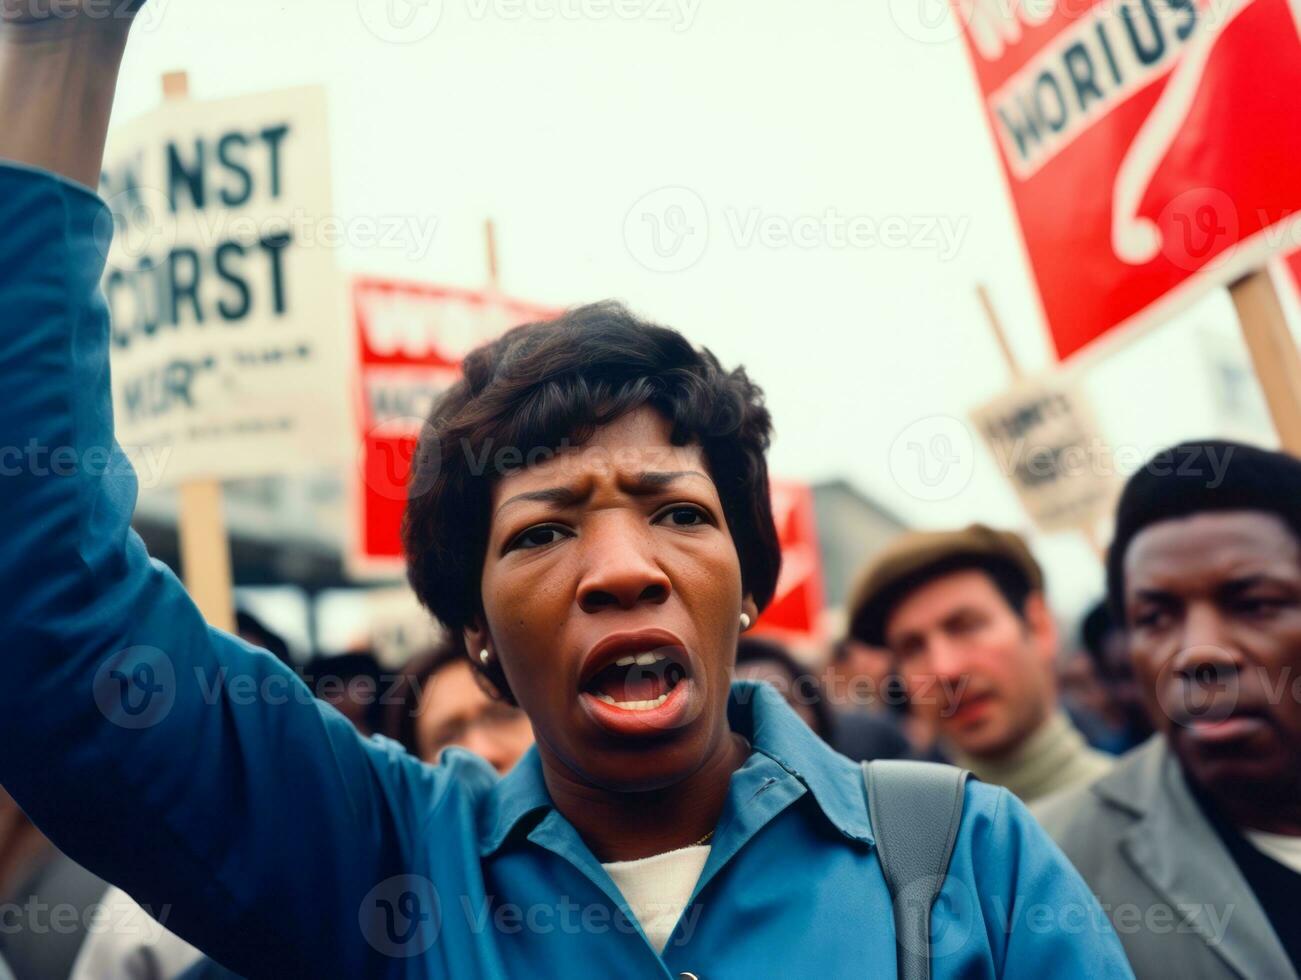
(644,483)
(654,481)
(560,496)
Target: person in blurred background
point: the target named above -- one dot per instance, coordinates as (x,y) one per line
(860,675)
(1104,642)
(1200,828)
(1086,702)
(443,704)
(864,679)
(965,615)
(856,734)
(352,683)
(254,631)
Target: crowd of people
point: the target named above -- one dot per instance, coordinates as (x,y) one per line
(604,769)
(1158,742)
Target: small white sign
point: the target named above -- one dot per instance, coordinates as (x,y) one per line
(1046,441)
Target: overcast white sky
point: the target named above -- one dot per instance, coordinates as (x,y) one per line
(559,117)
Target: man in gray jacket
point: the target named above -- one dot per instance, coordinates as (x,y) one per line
(1193,843)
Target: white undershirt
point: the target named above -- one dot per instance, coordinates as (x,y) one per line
(1282,848)
(657,888)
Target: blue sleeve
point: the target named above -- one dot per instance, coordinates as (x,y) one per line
(172,759)
(1013,894)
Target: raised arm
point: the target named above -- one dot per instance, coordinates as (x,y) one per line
(174,760)
(58,69)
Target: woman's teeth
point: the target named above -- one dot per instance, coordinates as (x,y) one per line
(640,660)
(634,705)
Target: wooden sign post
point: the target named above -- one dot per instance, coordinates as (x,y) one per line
(205,548)
(1089,531)
(490,241)
(1000,335)
(1273,352)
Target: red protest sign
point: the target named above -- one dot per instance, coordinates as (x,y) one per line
(411,339)
(1149,146)
(1294,268)
(796,609)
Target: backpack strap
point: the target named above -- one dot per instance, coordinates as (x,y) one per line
(915,809)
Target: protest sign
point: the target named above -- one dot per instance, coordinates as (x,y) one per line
(1045,440)
(1294,269)
(795,613)
(410,340)
(228,326)
(1145,145)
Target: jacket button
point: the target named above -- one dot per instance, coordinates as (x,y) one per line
(687,976)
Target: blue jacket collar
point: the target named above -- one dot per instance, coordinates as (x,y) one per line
(757,711)
(754,710)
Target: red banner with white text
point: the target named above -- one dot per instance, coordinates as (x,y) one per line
(411,339)
(1150,146)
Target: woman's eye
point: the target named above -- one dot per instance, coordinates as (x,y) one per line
(537,537)
(684,516)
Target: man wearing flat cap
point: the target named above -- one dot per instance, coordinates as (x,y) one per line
(1193,842)
(963,612)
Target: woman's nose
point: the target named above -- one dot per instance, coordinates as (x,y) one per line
(620,569)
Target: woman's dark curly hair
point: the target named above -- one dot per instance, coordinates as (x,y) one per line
(546,385)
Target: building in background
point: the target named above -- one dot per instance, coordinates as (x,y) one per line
(852,527)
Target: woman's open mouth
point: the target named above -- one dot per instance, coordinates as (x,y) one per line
(637,683)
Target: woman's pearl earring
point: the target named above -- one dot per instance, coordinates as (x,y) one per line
(484,657)
(745,621)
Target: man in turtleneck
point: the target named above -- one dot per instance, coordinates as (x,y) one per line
(964,614)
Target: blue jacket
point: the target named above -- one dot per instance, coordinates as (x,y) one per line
(199,774)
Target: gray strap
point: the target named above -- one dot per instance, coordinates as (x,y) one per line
(916,810)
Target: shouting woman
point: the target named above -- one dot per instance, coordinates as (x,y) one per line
(589,517)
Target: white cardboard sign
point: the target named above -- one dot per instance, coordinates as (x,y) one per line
(1046,441)
(229,317)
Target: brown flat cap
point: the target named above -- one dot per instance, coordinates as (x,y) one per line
(911,559)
